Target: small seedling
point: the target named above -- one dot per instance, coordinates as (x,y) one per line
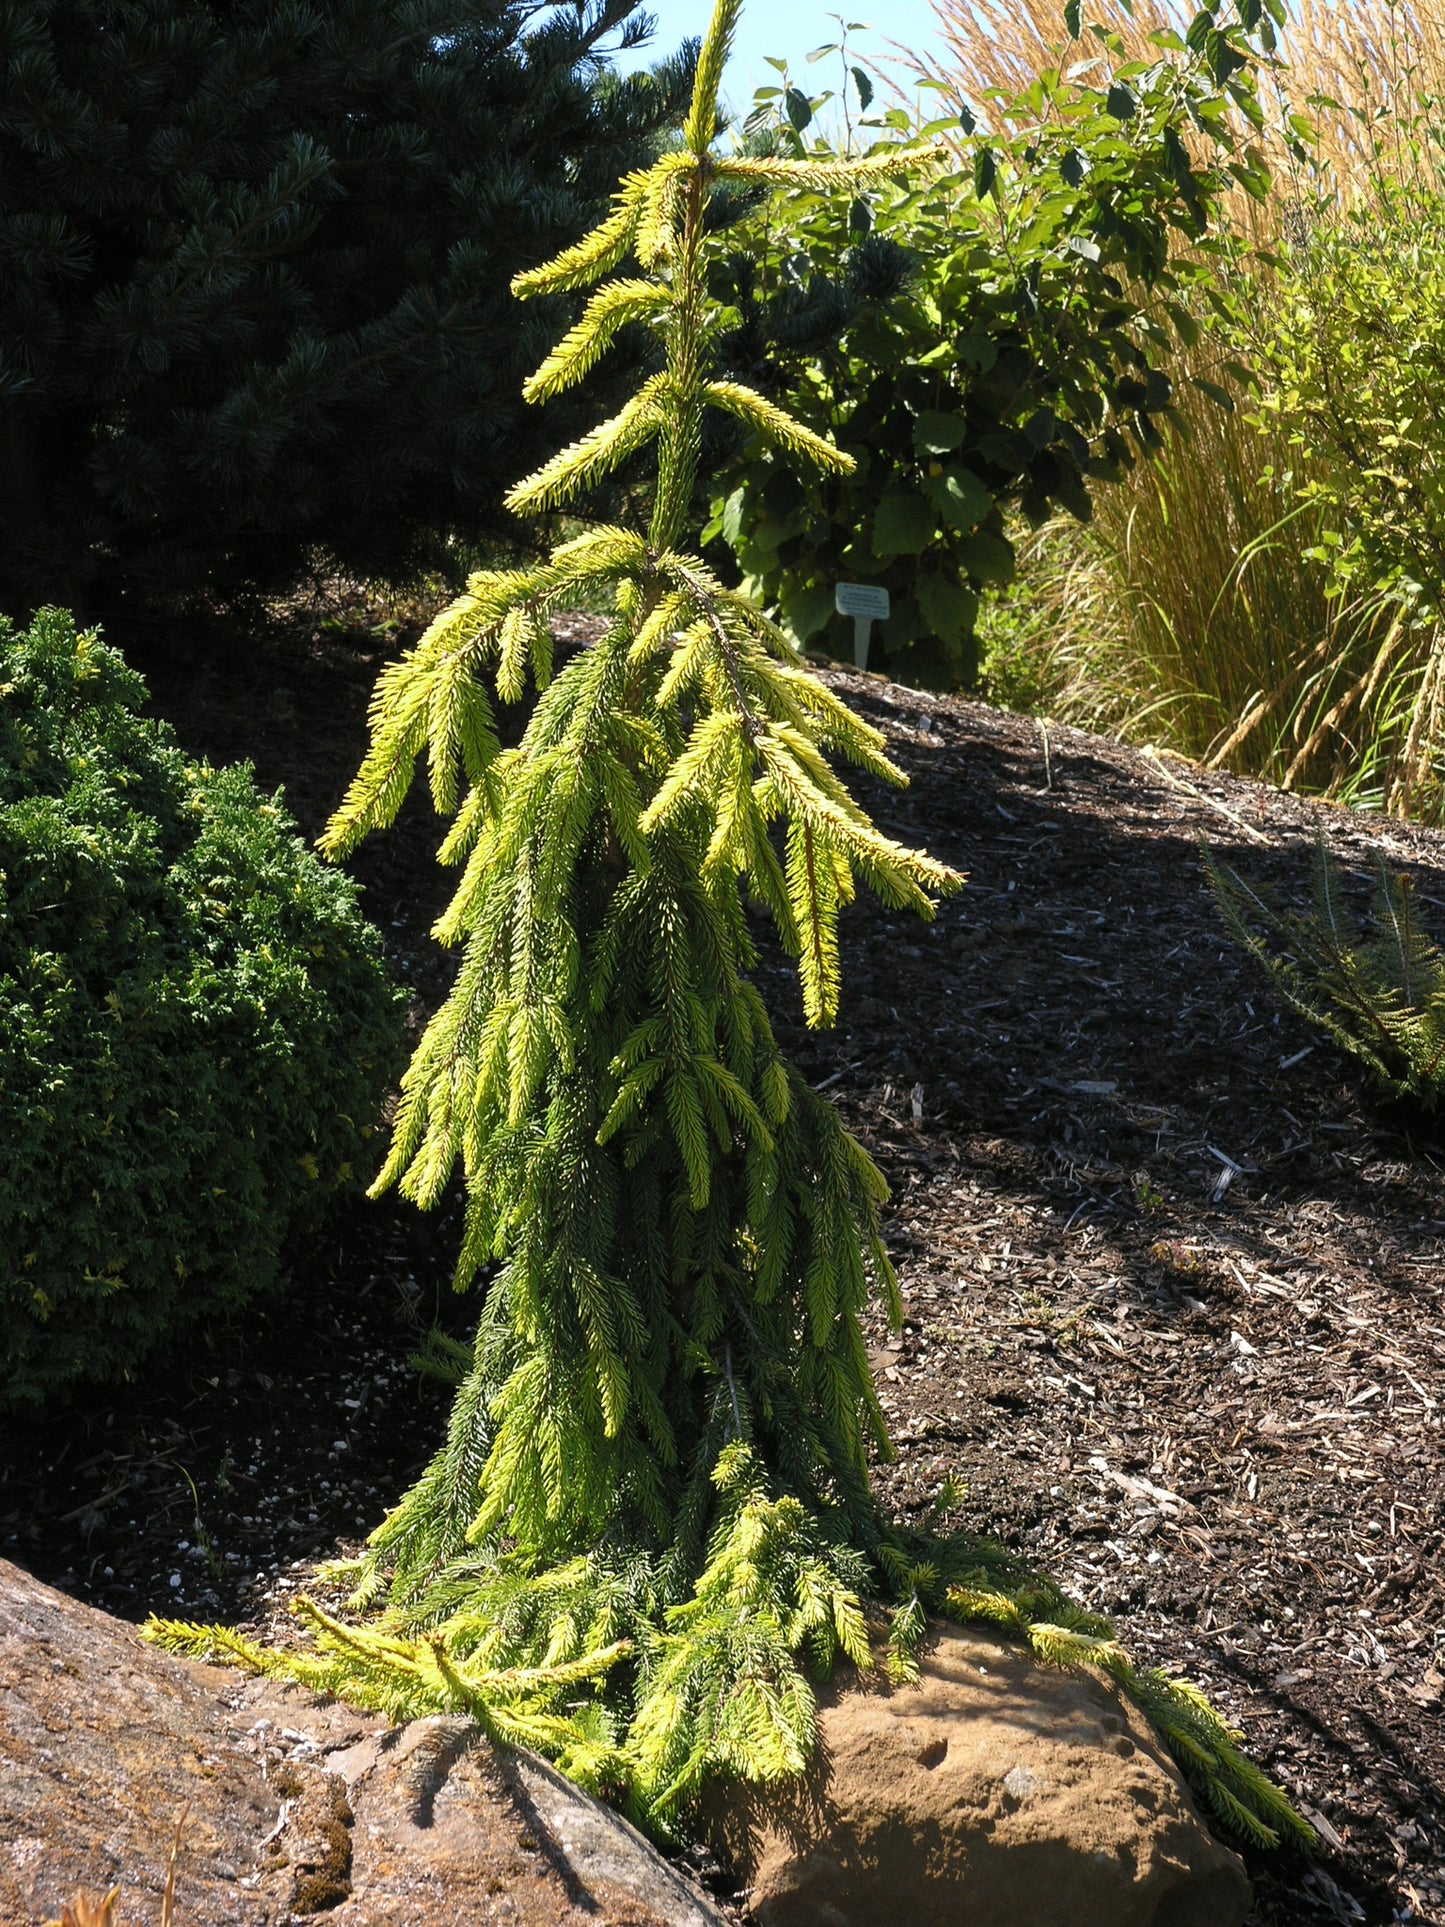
(1379,993)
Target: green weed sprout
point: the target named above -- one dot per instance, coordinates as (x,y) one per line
(1378,994)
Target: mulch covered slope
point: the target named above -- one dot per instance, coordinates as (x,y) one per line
(1173,1290)
(1174,1294)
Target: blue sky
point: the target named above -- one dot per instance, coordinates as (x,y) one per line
(789,30)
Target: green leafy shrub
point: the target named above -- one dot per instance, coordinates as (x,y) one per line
(1380,994)
(1353,354)
(989,340)
(196,1028)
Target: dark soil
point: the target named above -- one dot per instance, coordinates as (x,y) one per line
(1174,1291)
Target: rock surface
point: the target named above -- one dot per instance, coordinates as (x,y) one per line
(989,1794)
(296,1806)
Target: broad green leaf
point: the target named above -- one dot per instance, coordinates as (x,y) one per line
(949,608)
(987,557)
(978,352)
(904,524)
(935,433)
(732,516)
(1221,397)
(960,498)
(1224,59)
(1185,325)
(767,536)
(807,610)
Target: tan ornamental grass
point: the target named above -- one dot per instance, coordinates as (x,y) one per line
(1350,65)
(1195,612)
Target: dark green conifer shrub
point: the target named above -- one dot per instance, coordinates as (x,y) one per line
(1378,993)
(196,1026)
(253,275)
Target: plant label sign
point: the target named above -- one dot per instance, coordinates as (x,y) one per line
(867,605)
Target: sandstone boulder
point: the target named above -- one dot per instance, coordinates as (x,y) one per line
(992,1793)
(296,1806)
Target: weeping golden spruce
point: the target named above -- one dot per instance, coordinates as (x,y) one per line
(651,1516)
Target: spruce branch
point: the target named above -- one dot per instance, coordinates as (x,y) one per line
(586,461)
(584,345)
(700,128)
(830,176)
(1204,1747)
(776,425)
(596,253)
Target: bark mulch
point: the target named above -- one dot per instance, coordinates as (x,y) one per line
(1174,1290)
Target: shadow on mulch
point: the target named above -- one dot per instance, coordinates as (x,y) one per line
(1173,1291)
